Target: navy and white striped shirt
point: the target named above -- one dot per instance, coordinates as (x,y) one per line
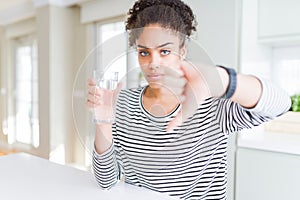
(190,162)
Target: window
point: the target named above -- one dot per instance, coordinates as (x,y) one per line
(105,33)
(24,125)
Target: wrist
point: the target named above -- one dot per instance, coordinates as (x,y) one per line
(229,82)
(103,137)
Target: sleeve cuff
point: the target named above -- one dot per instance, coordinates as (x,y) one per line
(105,155)
(273,102)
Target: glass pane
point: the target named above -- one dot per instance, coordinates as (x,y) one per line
(26,95)
(23,94)
(106,32)
(110,30)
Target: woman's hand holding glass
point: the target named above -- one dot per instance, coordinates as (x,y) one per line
(102,103)
(101,100)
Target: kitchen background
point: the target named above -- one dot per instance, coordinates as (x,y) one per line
(43,44)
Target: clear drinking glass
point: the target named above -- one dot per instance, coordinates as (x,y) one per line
(107,80)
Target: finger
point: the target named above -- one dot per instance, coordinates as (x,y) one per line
(94,90)
(204,71)
(94,99)
(208,74)
(91,98)
(118,89)
(90,105)
(181,117)
(116,93)
(177,91)
(177,121)
(189,70)
(174,82)
(173,72)
(188,108)
(91,82)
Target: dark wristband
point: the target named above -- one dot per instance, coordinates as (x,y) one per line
(232,82)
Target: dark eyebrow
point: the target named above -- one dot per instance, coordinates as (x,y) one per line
(159,46)
(143,47)
(165,44)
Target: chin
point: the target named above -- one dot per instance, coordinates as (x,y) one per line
(154,85)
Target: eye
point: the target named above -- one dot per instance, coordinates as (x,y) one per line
(144,53)
(165,52)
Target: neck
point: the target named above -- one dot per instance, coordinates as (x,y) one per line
(159,101)
(160,94)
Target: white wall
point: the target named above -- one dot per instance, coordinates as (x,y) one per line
(61,50)
(62,63)
(255,58)
(104,9)
(43,33)
(218,29)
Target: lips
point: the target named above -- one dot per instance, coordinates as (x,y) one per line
(154,77)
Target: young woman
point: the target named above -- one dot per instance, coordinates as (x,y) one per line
(171,136)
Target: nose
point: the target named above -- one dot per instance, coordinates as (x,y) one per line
(155,60)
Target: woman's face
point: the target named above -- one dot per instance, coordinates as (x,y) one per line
(158,48)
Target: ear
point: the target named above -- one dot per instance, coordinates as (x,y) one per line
(183,52)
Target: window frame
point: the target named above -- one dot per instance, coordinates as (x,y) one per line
(21,41)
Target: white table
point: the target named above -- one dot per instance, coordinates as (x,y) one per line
(23,176)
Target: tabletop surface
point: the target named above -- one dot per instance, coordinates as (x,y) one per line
(23,176)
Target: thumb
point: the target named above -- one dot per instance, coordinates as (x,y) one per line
(189,105)
(177,121)
(117,91)
(184,113)
(189,70)
(115,95)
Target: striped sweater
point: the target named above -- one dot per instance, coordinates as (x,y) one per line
(191,161)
